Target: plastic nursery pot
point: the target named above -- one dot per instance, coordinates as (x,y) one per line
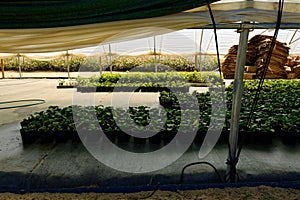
(156,139)
(224,137)
(61,136)
(92,137)
(123,137)
(264,138)
(168,136)
(46,137)
(267,138)
(74,136)
(111,135)
(167,103)
(199,138)
(28,137)
(289,137)
(138,140)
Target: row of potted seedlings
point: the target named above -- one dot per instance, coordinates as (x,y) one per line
(277,115)
(143,82)
(119,125)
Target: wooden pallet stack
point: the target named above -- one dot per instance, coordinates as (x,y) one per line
(279,57)
(293,66)
(228,66)
(257,52)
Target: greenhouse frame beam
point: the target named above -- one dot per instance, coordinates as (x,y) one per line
(250,26)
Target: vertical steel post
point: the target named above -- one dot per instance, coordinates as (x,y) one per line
(200,50)
(68,64)
(238,87)
(154,52)
(2,67)
(19,64)
(110,58)
(100,66)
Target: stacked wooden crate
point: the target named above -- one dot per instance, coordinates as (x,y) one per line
(278,59)
(293,66)
(228,66)
(257,53)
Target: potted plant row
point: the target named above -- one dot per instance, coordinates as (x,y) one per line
(144,82)
(276,115)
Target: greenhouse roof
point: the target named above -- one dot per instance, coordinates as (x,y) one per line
(53,26)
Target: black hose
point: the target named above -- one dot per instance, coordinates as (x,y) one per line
(200,163)
(37,102)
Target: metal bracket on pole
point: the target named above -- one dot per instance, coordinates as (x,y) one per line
(238,87)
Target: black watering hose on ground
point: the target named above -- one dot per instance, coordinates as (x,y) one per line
(34,102)
(200,163)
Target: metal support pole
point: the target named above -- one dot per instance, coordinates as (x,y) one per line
(68,64)
(110,58)
(154,52)
(19,64)
(200,50)
(196,62)
(100,66)
(238,88)
(2,67)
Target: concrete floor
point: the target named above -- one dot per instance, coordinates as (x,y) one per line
(71,165)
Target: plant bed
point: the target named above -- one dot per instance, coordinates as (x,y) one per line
(147,82)
(183,89)
(130,89)
(65,86)
(86,89)
(94,89)
(277,105)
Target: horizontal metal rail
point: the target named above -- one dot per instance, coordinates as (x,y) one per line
(250,26)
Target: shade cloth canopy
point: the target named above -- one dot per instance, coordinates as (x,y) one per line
(50,26)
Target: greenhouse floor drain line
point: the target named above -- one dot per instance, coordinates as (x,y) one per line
(32,102)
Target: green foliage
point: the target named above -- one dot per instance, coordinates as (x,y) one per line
(278,105)
(147,63)
(58,64)
(119,63)
(151,79)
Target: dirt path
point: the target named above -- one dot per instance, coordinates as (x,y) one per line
(253,193)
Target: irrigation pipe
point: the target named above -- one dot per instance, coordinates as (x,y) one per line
(37,102)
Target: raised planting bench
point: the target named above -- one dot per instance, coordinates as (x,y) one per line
(131,89)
